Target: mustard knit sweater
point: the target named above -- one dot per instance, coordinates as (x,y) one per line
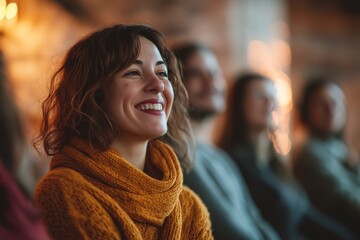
(99,195)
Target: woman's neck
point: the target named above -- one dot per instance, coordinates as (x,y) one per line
(261,143)
(133,151)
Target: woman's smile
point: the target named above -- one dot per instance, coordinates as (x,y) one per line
(151,106)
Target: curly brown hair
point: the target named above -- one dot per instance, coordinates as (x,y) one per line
(74,106)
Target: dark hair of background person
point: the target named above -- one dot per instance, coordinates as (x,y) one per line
(236,131)
(314,84)
(74,106)
(12,140)
(183,52)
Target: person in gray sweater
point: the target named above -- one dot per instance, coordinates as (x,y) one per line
(251,141)
(214,176)
(327,168)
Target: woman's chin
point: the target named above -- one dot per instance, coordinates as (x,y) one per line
(157,133)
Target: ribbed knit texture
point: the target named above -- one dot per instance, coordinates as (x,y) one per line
(99,195)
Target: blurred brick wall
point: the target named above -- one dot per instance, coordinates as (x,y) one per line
(47,28)
(325,38)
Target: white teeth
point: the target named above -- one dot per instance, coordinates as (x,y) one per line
(150,106)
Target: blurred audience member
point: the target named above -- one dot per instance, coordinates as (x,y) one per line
(214,175)
(20,158)
(18,218)
(326,167)
(249,140)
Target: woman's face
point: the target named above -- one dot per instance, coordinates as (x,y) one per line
(327,112)
(140,97)
(260,102)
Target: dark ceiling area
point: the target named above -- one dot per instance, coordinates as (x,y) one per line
(74,7)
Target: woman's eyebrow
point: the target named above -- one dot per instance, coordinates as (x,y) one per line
(139,62)
(160,63)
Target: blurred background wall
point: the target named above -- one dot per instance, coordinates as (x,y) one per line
(287,40)
(325,38)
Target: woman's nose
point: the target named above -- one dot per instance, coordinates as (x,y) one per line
(155,84)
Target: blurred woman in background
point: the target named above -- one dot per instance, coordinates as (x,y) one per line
(326,166)
(18,218)
(250,141)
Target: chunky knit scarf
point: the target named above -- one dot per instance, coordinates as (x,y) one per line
(122,201)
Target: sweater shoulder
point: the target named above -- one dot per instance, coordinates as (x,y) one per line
(71,208)
(189,198)
(60,176)
(195,216)
(57,184)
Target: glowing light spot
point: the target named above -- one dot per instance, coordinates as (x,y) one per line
(276,118)
(283,88)
(11,10)
(281,53)
(2,3)
(283,143)
(2,9)
(259,54)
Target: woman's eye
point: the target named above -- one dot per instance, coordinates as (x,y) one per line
(163,74)
(132,73)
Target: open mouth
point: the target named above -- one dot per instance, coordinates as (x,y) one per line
(150,106)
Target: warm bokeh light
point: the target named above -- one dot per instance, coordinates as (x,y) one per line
(282,142)
(275,55)
(2,9)
(283,90)
(275,118)
(273,59)
(281,53)
(11,10)
(259,54)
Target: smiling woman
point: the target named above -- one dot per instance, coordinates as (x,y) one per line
(139,101)
(114,103)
